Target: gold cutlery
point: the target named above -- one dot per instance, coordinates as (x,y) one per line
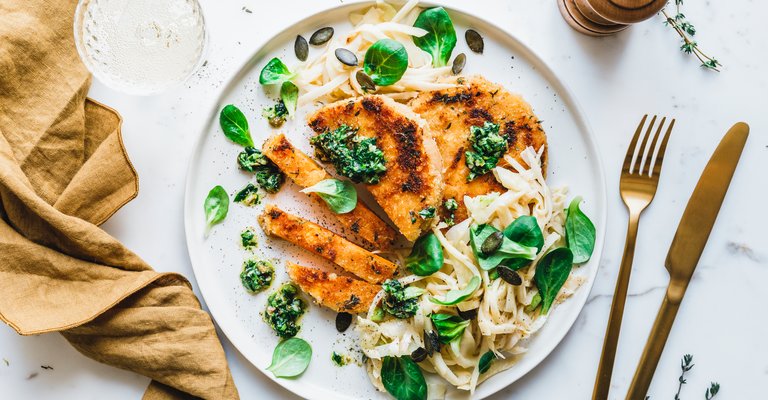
(639,180)
(689,241)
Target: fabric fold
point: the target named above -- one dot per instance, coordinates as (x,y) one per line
(64,171)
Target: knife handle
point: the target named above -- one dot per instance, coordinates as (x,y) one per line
(653,349)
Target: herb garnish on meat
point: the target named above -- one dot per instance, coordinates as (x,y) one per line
(356,157)
(487,148)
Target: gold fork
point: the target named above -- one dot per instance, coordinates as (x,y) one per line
(639,180)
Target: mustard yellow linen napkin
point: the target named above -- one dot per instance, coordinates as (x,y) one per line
(64,171)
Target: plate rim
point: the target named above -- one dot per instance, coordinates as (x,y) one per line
(544,68)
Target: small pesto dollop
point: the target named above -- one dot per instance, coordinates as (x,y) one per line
(257,275)
(276,114)
(248,238)
(248,196)
(268,176)
(284,308)
(487,148)
(450,206)
(400,301)
(251,158)
(340,359)
(356,157)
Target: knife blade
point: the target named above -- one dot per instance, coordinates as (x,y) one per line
(703,206)
(686,248)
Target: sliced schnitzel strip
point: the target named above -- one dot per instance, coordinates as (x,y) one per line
(363,222)
(451,112)
(312,237)
(339,293)
(412,185)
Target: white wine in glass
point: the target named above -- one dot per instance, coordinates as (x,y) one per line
(140,46)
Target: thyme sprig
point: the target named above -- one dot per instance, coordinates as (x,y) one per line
(685,365)
(714,387)
(687,31)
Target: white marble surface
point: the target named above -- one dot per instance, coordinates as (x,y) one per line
(722,321)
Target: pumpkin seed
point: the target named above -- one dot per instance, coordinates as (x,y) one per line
(346,57)
(469,314)
(458,63)
(365,81)
(509,275)
(492,243)
(474,41)
(419,354)
(301,48)
(321,36)
(431,342)
(343,321)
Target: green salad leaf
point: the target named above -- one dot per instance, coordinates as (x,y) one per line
(525,231)
(290,358)
(216,206)
(535,301)
(426,256)
(551,273)
(508,250)
(289,94)
(440,38)
(486,360)
(235,125)
(579,233)
(340,196)
(275,72)
(385,62)
(456,296)
(403,378)
(449,327)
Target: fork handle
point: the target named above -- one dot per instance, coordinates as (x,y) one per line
(653,349)
(608,356)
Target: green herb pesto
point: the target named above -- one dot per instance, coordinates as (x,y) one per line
(251,159)
(356,157)
(276,114)
(340,360)
(257,275)
(248,196)
(248,238)
(284,308)
(450,206)
(398,301)
(427,213)
(268,176)
(487,148)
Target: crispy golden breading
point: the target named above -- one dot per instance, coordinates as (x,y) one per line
(413,180)
(302,170)
(349,256)
(339,293)
(451,112)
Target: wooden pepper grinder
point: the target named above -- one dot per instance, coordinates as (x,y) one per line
(606,17)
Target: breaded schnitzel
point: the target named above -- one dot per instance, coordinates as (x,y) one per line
(450,114)
(411,188)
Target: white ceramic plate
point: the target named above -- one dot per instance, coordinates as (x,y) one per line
(573,161)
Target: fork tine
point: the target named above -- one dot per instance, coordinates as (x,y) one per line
(649,157)
(638,163)
(632,145)
(662,149)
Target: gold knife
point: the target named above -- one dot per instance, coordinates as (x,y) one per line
(684,253)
